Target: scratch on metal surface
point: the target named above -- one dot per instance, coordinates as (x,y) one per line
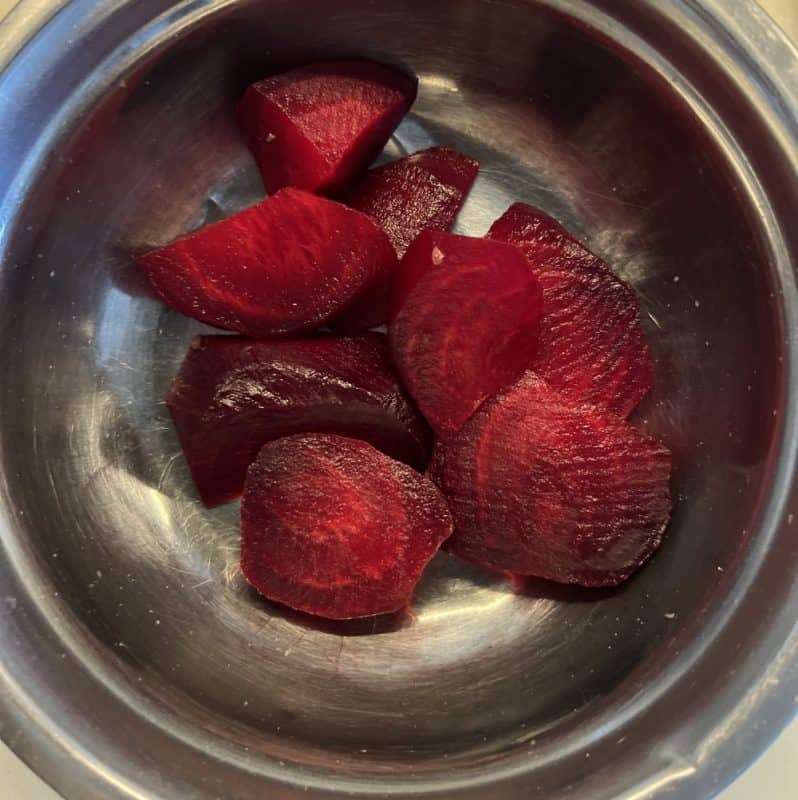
(166,470)
(290,648)
(340,653)
(232,569)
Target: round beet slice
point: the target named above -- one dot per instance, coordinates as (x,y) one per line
(232,395)
(332,527)
(285,265)
(592,346)
(466,316)
(318,126)
(540,485)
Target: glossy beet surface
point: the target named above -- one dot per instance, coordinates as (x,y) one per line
(424,191)
(282,266)
(317,127)
(232,395)
(333,527)
(465,324)
(540,485)
(592,345)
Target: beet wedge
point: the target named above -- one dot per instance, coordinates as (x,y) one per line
(319,126)
(465,323)
(592,345)
(540,485)
(285,265)
(424,191)
(332,527)
(232,395)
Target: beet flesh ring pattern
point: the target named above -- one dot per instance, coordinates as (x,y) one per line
(540,485)
(592,345)
(332,527)
(465,324)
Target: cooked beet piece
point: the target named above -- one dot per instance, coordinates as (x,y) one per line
(319,126)
(285,265)
(424,191)
(592,345)
(330,526)
(465,324)
(541,485)
(232,395)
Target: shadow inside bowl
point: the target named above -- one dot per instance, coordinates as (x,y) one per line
(367,626)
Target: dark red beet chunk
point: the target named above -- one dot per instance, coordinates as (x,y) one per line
(233,395)
(330,526)
(318,127)
(284,265)
(465,324)
(424,191)
(592,345)
(541,485)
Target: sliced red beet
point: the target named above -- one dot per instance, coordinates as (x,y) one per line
(330,526)
(285,265)
(319,126)
(465,324)
(592,345)
(541,485)
(424,191)
(233,395)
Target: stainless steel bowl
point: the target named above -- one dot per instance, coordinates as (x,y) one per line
(135,662)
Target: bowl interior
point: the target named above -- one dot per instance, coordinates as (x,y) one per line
(479,669)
